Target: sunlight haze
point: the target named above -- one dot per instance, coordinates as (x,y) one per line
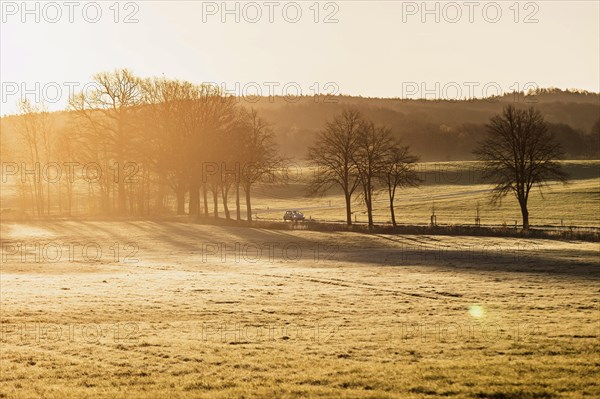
(370,51)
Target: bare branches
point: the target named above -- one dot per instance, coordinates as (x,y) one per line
(398,171)
(256,152)
(352,152)
(519,154)
(333,156)
(369,159)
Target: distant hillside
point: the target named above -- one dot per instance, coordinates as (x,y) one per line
(436,130)
(439,130)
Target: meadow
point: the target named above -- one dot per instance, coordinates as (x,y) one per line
(454,190)
(176,309)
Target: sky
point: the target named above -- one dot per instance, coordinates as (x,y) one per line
(370,48)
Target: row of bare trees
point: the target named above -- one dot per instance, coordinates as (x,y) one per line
(518,154)
(353,154)
(142,136)
(35,127)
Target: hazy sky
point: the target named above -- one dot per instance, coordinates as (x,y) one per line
(376,48)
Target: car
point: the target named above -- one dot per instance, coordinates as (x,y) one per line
(293,216)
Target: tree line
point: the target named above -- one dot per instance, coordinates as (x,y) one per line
(518,154)
(144,136)
(152,140)
(353,153)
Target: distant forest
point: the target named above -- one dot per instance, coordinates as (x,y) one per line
(438,130)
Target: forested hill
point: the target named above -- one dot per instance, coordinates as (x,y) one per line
(435,130)
(438,130)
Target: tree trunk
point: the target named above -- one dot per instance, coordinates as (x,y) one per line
(348,209)
(180,201)
(525,214)
(370,210)
(215,202)
(224,192)
(194,206)
(122,204)
(238,211)
(368,205)
(248,205)
(205,199)
(392,213)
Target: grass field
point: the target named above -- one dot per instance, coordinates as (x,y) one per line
(454,189)
(166,309)
(176,310)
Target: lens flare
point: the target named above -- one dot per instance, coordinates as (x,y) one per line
(476,311)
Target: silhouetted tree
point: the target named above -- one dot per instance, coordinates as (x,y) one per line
(333,155)
(372,144)
(256,151)
(34,127)
(519,154)
(398,171)
(166,147)
(108,107)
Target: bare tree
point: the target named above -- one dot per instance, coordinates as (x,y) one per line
(333,155)
(519,154)
(398,171)
(65,148)
(108,108)
(168,147)
(229,168)
(372,144)
(210,114)
(34,127)
(94,147)
(256,151)
(236,137)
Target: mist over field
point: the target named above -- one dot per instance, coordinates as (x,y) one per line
(300,199)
